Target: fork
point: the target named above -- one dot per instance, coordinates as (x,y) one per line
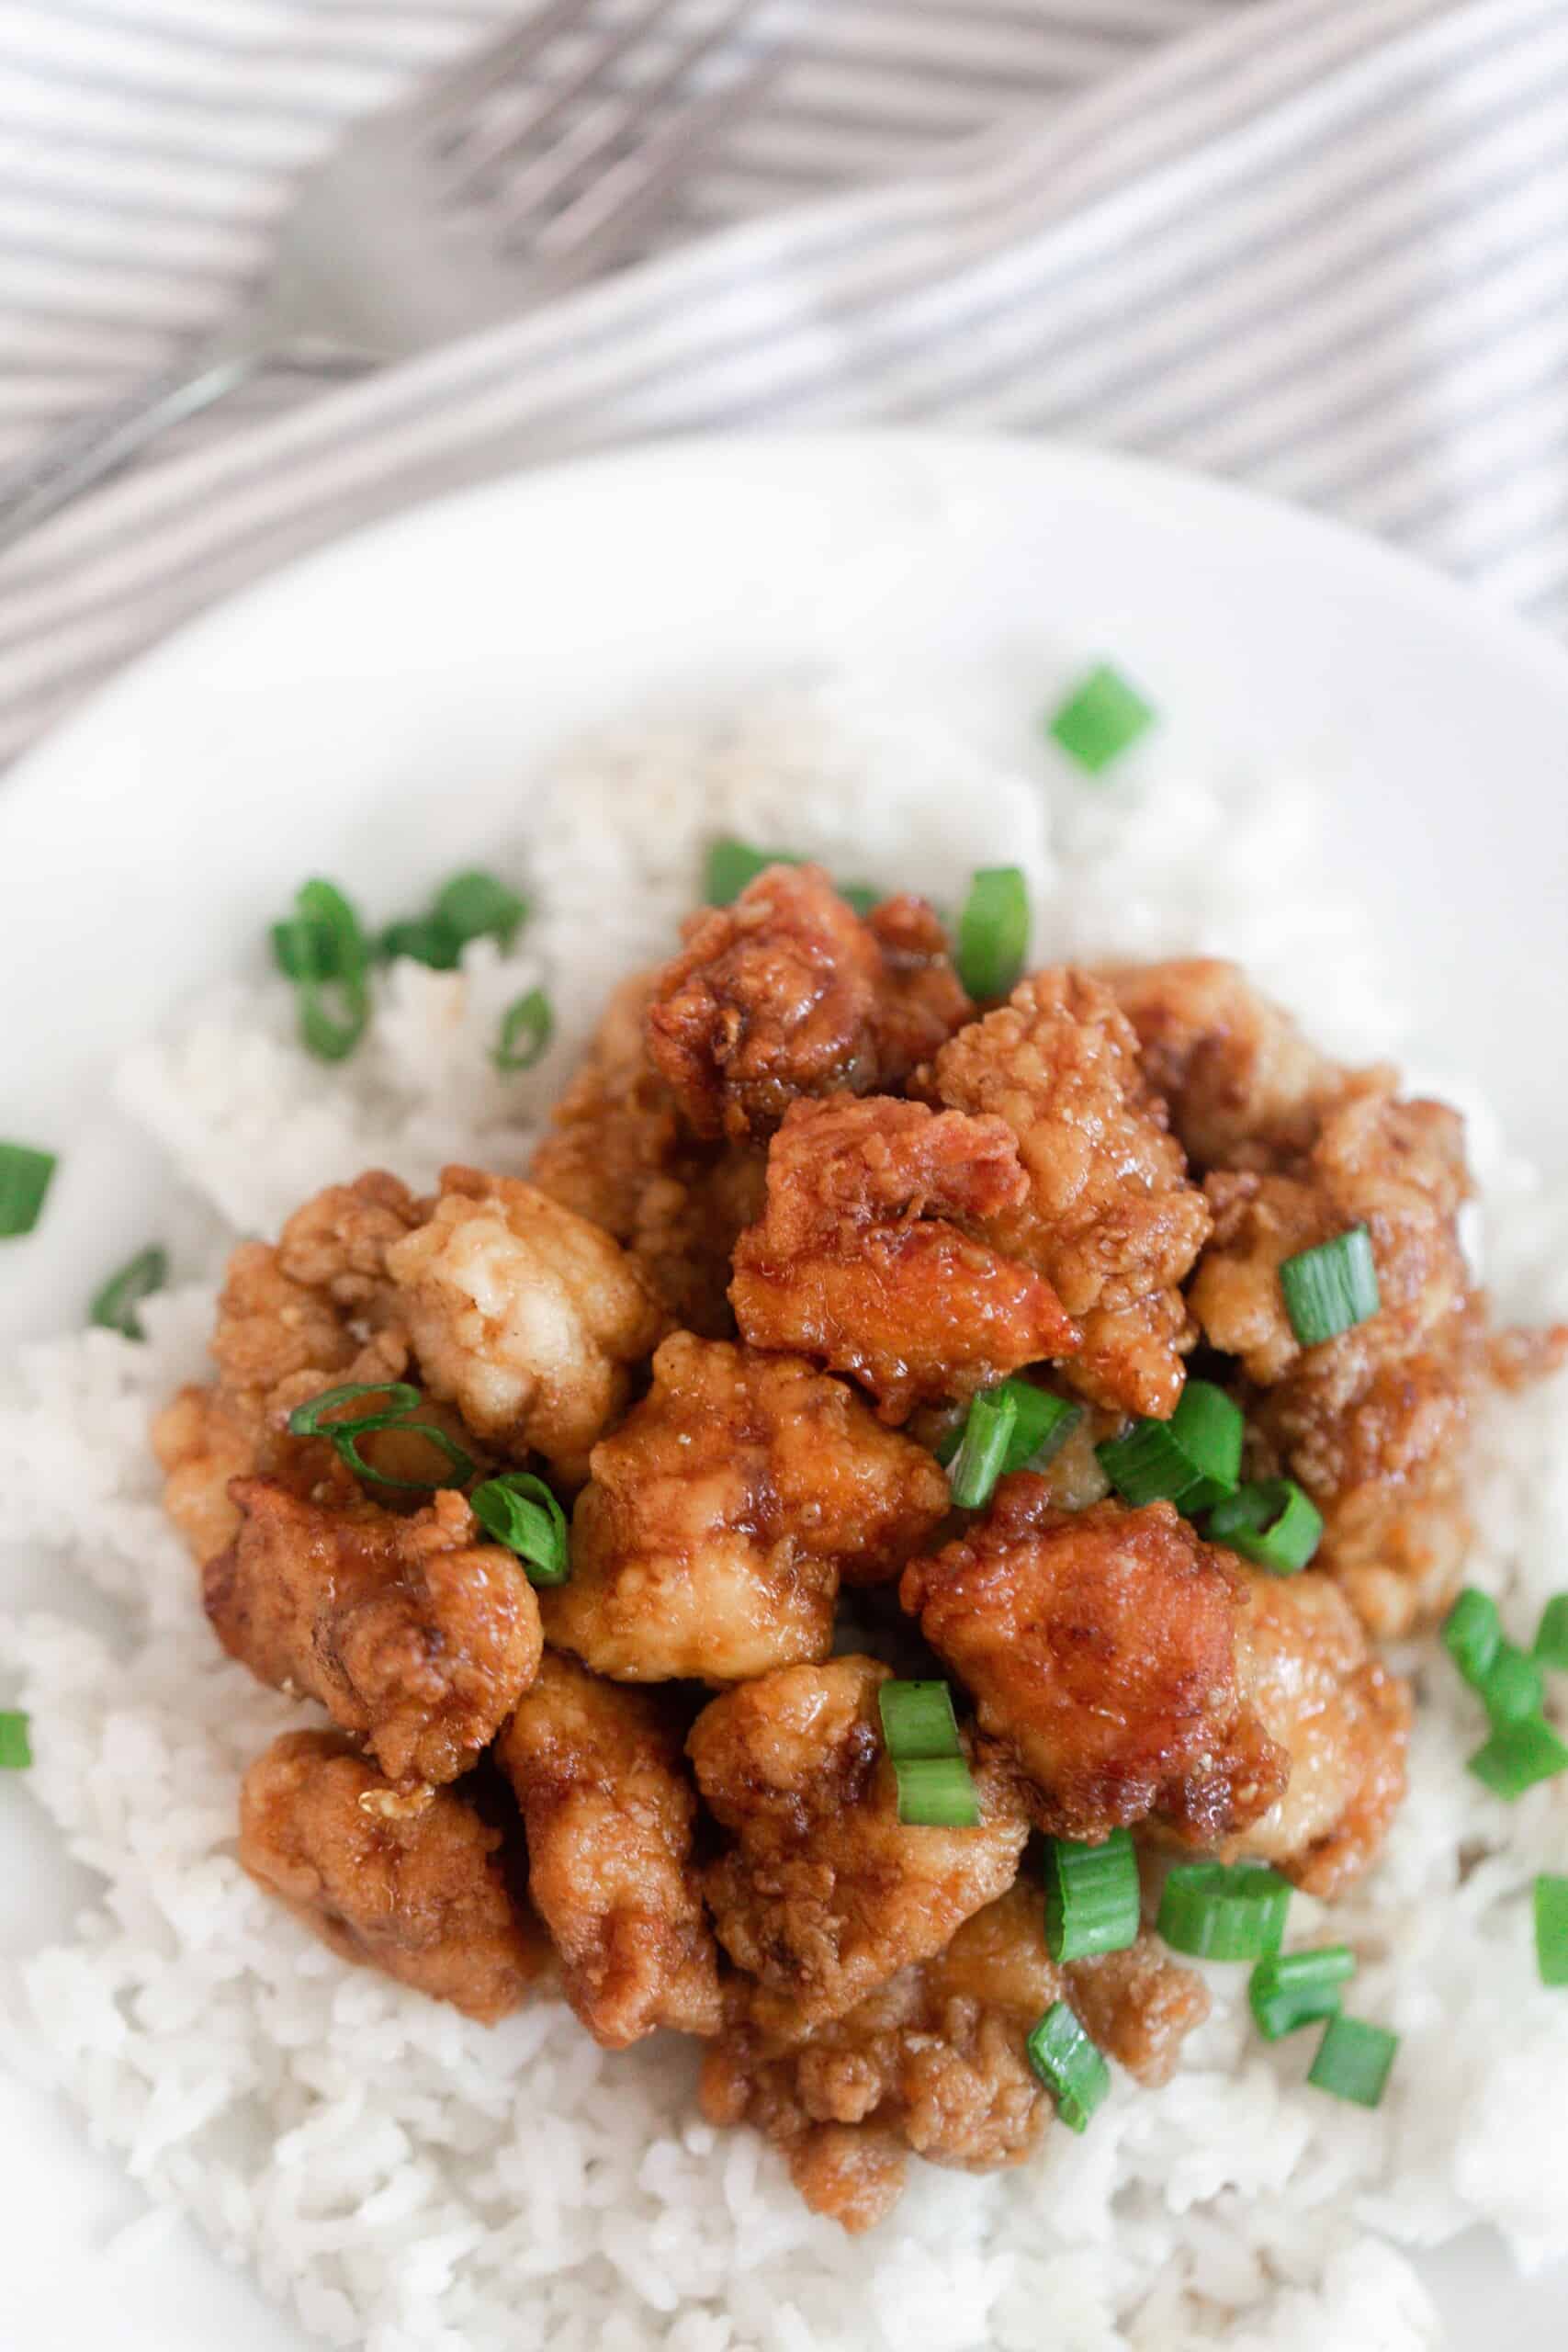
(410,233)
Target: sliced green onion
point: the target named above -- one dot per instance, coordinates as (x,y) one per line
(1101,718)
(478,905)
(399,1397)
(1091,1896)
(1552,1634)
(15,1748)
(1219,1913)
(526,1030)
(1353,2060)
(862,897)
(461,1462)
(1332,1288)
(1516,1756)
(1271,1523)
(918,1721)
(1072,2069)
(1512,1686)
(520,1511)
(304,951)
(331,958)
(731,864)
(977,1464)
(1552,1928)
(24,1176)
(1042,1426)
(423,939)
(1291,1989)
(993,931)
(1192,1460)
(1472,1633)
(936,1792)
(114,1307)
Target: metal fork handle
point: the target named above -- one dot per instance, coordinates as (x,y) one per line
(40,485)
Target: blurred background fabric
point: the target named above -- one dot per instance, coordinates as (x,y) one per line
(1317,246)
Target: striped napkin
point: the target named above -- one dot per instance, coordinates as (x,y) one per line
(1316,246)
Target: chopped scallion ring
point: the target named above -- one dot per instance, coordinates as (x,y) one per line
(1042,1425)
(987,1434)
(1091,1898)
(25,1177)
(993,932)
(1271,1523)
(327,956)
(1215,1912)
(918,1721)
(1516,1756)
(15,1748)
(1354,2060)
(936,1792)
(1193,1460)
(731,864)
(1513,1687)
(1473,1634)
(1552,1930)
(397,1397)
(460,1463)
(304,951)
(1288,1990)
(421,939)
(114,1307)
(477,905)
(1101,720)
(1332,1288)
(520,1511)
(1551,1635)
(525,1029)
(1072,2069)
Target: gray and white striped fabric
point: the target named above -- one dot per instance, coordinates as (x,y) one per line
(1316,246)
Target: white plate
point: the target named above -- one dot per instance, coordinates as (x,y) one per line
(377,706)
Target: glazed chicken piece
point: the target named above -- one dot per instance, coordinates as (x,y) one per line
(412,1887)
(788,993)
(1343,1720)
(1100,1649)
(934,2061)
(1108,1216)
(609,1809)
(621,1155)
(415,1636)
(857,1262)
(720,1517)
(825,1893)
(524,1314)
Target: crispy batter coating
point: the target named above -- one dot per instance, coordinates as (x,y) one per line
(721,1516)
(934,2060)
(413,1889)
(1342,1717)
(788,993)
(415,1637)
(1099,1646)
(1109,1218)
(610,1811)
(857,1261)
(825,1893)
(621,1155)
(524,1314)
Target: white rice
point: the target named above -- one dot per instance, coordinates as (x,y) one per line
(412,2183)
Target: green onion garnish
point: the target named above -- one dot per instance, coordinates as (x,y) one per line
(1512,1686)
(1472,1633)
(1091,1896)
(1291,1989)
(525,1029)
(1516,1756)
(520,1511)
(114,1307)
(478,905)
(421,939)
(1552,1634)
(15,1748)
(1101,718)
(1067,2063)
(987,1434)
(935,1791)
(993,932)
(402,1401)
(461,1462)
(25,1177)
(1552,1928)
(731,864)
(1329,1289)
(1271,1523)
(304,950)
(1192,1460)
(1353,2060)
(1219,1913)
(1042,1426)
(328,958)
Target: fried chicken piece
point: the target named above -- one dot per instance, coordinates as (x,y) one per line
(1100,1648)
(857,1260)
(414,1636)
(825,1893)
(609,1809)
(621,1155)
(720,1517)
(1342,1718)
(524,1314)
(1108,1216)
(788,993)
(935,2060)
(413,1888)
